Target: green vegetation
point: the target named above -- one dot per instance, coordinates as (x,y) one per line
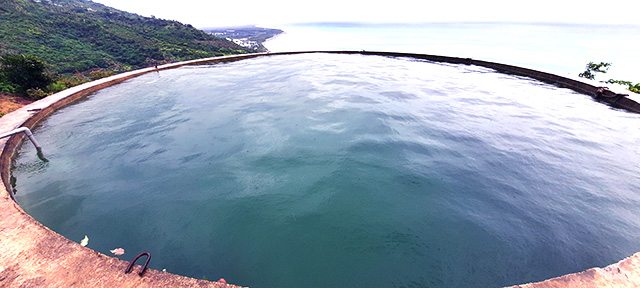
(47,46)
(632,87)
(23,73)
(593,68)
(6,86)
(602,67)
(30,77)
(79,35)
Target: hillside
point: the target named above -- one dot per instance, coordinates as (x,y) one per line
(78,35)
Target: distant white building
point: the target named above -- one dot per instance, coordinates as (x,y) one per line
(244,42)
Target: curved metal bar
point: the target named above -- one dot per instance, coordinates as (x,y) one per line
(27,132)
(144,268)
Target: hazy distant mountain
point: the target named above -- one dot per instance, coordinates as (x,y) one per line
(77,35)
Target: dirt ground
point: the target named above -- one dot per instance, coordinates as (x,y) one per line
(9,103)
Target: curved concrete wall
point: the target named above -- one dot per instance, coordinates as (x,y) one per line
(33,255)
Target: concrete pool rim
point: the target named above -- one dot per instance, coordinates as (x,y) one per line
(33,255)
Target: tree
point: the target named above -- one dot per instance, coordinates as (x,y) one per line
(24,71)
(630,86)
(593,68)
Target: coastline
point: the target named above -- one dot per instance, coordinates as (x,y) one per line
(252,37)
(272,38)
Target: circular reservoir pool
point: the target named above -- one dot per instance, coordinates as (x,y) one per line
(321,170)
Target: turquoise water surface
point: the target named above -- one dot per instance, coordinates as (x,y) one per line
(320,170)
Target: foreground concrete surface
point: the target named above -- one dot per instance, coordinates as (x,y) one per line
(31,255)
(623,274)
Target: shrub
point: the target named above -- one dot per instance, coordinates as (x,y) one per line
(7,87)
(24,71)
(593,68)
(36,94)
(56,87)
(97,74)
(72,80)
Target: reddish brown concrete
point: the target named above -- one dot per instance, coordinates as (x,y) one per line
(31,255)
(624,274)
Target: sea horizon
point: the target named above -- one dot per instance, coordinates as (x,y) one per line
(559,48)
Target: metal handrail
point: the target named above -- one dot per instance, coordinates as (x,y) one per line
(144,268)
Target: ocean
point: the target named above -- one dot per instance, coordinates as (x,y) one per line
(561,49)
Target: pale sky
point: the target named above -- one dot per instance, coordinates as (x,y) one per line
(272,13)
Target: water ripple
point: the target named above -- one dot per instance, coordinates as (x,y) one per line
(309,170)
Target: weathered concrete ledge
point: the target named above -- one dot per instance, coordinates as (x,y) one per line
(624,274)
(31,255)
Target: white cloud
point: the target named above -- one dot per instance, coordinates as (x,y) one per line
(201,13)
